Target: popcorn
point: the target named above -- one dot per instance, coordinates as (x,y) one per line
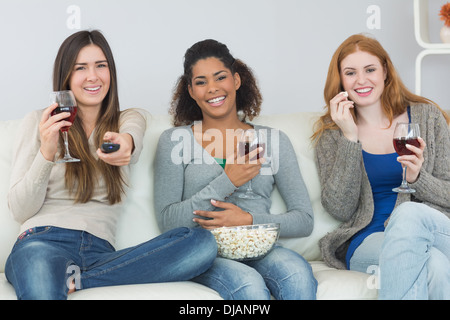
(246,242)
(345,93)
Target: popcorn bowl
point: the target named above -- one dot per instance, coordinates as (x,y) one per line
(244,243)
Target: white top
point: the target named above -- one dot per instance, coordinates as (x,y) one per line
(38,196)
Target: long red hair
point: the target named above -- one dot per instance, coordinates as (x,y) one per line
(395,97)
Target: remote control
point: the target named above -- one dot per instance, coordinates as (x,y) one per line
(108,147)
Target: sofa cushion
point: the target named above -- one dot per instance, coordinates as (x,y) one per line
(299,127)
(9,228)
(333,284)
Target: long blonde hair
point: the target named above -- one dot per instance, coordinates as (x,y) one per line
(395,97)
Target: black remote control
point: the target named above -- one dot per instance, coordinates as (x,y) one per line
(108,147)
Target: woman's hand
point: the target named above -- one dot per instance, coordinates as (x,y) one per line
(413,162)
(232,215)
(49,128)
(122,156)
(340,113)
(240,169)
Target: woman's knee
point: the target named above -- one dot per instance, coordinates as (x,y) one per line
(408,210)
(38,271)
(287,274)
(235,281)
(205,244)
(250,287)
(412,216)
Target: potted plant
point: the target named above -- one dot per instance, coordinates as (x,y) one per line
(445,16)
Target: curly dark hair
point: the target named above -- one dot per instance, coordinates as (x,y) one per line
(248,97)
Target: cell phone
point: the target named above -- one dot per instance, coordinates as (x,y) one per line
(108,147)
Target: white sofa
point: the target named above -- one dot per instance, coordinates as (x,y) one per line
(138,222)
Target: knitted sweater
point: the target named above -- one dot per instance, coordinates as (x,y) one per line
(346,191)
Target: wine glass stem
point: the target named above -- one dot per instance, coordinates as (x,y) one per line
(404,182)
(249,188)
(66,144)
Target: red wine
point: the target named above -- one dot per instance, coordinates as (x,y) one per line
(71,118)
(400,145)
(244,147)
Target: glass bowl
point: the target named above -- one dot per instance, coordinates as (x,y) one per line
(243,243)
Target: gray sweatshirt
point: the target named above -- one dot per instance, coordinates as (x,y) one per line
(187,178)
(346,191)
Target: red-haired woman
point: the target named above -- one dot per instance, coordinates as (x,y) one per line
(359,167)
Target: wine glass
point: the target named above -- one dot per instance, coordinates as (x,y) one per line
(66,103)
(249,141)
(405,133)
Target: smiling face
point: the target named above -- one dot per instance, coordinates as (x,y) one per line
(90,78)
(363,76)
(213,87)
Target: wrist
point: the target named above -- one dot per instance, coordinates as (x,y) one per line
(47,156)
(351,137)
(249,218)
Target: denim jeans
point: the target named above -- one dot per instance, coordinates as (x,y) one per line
(45,259)
(413,254)
(367,254)
(283,273)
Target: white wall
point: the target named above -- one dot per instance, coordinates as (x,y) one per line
(288,43)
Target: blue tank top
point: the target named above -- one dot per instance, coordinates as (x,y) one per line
(384,173)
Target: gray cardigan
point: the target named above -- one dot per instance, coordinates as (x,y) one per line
(346,191)
(187,178)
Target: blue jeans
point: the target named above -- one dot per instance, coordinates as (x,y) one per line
(413,254)
(44,260)
(283,273)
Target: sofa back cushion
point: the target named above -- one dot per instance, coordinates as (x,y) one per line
(9,229)
(299,128)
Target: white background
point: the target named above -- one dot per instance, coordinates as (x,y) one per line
(288,44)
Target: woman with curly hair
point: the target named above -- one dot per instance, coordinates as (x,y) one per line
(358,169)
(199,176)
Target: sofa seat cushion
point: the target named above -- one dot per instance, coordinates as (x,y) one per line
(333,285)
(337,284)
(183,290)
